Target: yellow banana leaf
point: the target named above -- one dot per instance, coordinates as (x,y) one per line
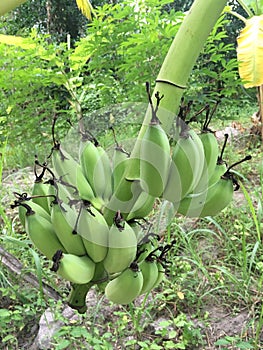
(85,7)
(250,52)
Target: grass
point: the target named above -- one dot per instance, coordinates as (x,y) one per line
(215,277)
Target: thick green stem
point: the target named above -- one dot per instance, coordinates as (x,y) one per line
(77,297)
(182,56)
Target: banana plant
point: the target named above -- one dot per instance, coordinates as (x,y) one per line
(8,5)
(250,48)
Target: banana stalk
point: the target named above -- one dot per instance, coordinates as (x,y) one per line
(178,64)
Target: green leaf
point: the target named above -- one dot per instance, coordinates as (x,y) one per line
(4,313)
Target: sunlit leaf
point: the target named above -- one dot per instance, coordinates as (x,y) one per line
(250,52)
(85,7)
(24,43)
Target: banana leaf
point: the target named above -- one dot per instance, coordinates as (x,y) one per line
(250,52)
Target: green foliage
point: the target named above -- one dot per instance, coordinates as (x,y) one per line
(124,47)
(215,75)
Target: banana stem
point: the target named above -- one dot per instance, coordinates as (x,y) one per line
(77,297)
(181,57)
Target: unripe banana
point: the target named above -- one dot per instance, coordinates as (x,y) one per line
(107,191)
(221,167)
(123,199)
(40,190)
(122,248)
(149,269)
(85,191)
(209,202)
(76,269)
(42,234)
(92,163)
(142,207)
(186,166)
(64,219)
(36,208)
(119,166)
(154,159)
(211,153)
(64,166)
(126,287)
(161,274)
(220,170)
(94,232)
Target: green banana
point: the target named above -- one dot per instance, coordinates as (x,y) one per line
(126,287)
(221,167)
(122,248)
(64,166)
(211,154)
(36,208)
(75,269)
(94,231)
(41,233)
(85,190)
(142,207)
(161,274)
(119,166)
(210,147)
(123,199)
(93,163)
(39,192)
(209,202)
(63,219)
(107,191)
(154,160)
(186,166)
(149,269)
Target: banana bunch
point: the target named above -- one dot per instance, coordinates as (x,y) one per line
(87,214)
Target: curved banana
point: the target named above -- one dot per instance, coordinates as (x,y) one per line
(75,269)
(122,248)
(154,159)
(107,191)
(149,269)
(126,287)
(42,234)
(161,274)
(94,169)
(211,153)
(142,207)
(94,231)
(221,167)
(123,199)
(64,166)
(41,190)
(209,202)
(119,166)
(220,170)
(85,190)
(36,208)
(64,219)
(186,167)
